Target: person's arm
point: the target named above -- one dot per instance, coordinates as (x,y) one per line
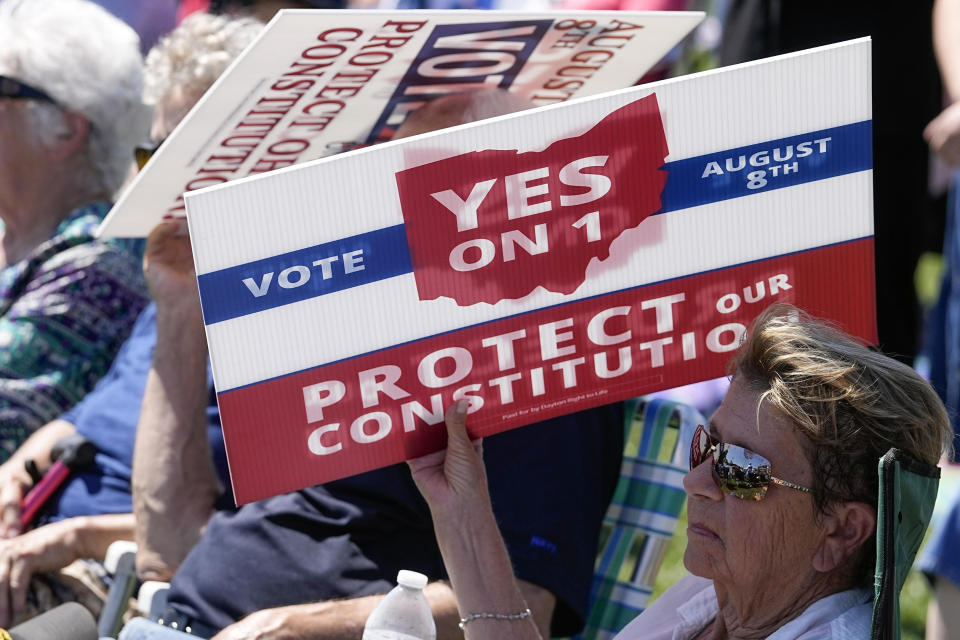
(52,547)
(15,482)
(175,484)
(344,619)
(943,612)
(943,132)
(454,484)
(946,45)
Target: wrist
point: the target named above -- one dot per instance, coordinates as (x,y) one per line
(475,551)
(465,520)
(72,531)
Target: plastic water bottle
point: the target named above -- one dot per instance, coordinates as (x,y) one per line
(404,613)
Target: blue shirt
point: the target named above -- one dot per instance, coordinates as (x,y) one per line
(550,484)
(108,417)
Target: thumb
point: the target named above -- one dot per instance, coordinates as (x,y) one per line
(463,465)
(456,420)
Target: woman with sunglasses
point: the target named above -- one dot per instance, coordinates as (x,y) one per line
(782,496)
(71,113)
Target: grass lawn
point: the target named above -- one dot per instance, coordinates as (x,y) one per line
(913,599)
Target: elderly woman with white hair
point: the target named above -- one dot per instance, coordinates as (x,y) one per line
(71,114)
(48,564)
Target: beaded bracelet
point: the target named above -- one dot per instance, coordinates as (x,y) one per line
(494,616)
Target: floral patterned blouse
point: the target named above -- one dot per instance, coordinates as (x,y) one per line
(64,312)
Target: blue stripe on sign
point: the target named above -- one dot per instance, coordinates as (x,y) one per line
(768,165)
(714,177)
(303,274)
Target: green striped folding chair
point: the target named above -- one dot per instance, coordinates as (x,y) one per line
(643,514)
(908,491)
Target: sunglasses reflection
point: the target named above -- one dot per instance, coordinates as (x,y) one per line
(750,482)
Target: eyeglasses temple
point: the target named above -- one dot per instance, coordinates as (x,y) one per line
(784,483)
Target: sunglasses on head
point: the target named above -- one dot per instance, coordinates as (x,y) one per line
(738,472)
(14,89)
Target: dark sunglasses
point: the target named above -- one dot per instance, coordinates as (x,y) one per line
(143,153)
(14,89)
(738,472)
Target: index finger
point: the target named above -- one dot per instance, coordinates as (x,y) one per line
(11,496)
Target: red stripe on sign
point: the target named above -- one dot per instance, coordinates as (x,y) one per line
(382,408)
(491,225)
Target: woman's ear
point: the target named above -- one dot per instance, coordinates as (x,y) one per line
(847,526)
(72,136)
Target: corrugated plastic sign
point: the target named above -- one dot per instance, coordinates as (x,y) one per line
(537,264)
(317,83)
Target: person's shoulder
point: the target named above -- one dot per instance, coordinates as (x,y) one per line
(855,622)
(846,615)
(97,259)
(687,606)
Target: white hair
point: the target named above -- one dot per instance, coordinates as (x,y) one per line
(89,62)
(192,56)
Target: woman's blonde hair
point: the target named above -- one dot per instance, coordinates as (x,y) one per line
(850,402)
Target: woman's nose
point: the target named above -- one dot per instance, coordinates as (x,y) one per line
(699,482)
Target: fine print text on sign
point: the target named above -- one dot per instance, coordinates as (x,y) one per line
(536,265)
(317,83)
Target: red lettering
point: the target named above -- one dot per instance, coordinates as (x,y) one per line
(347,92)
(307,69)
(404,27)
(308,110)
(269,164)
(362,59)
(387,42)
(325,36)
(589,56)
(310,54)
(205,181)
(288,85)
(283,147)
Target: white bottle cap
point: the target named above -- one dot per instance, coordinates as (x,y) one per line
(411,579)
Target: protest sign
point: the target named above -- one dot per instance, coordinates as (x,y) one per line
(321,82)
(537,264)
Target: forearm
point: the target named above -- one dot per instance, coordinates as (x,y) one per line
(338,619)
(38,446)
(946,42)
(477,561)
(94,534)
(174,481)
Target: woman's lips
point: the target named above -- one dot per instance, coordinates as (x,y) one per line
(702,531)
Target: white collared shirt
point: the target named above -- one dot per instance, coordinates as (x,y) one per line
(688,606)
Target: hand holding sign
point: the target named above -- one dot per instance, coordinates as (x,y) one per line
(453,481)
(168,266)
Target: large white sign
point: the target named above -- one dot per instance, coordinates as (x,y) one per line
(537,264)
(321,82)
